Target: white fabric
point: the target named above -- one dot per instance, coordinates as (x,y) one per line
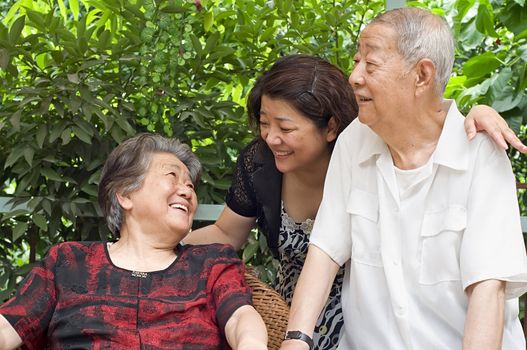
(408,263)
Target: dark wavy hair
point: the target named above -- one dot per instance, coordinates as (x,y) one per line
(311,85)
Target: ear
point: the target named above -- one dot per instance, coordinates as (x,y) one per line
(332,130)
(425,76)
(124,201)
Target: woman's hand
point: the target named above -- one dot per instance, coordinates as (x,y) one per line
(484,118)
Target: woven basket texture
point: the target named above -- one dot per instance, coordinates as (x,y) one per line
(271,306)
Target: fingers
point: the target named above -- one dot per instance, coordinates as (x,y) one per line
(470,128)
(499,136)
(514,141)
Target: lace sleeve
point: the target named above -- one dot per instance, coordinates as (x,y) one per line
(241,197)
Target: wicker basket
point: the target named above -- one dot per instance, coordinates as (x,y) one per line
(273,309)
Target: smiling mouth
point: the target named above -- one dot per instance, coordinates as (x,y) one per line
(282,154)
(179,206)
(364,99)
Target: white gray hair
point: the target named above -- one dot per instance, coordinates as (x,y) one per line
(422,34)
(126,168)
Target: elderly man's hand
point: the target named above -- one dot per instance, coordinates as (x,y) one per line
(484,118)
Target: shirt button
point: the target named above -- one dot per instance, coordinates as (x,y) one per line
(395,263)
(401,311)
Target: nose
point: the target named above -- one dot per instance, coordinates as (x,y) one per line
(356,77)
(184,190)
(271,136)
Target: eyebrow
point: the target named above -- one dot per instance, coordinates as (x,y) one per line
(279,118)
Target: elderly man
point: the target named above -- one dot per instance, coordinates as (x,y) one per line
(426,222)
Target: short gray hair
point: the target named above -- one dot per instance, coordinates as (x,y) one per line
(125,169)
(422,34)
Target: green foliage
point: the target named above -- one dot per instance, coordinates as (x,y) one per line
(78,77)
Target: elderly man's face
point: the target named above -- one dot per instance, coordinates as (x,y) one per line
(380,77)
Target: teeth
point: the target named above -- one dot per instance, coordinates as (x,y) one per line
(282,153)
(179,206)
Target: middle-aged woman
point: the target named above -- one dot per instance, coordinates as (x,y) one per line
(300,106)
(145,290)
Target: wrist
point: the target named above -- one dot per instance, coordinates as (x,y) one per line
(300,336)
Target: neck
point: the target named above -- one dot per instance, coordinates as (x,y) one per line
(314,176)
(139,252)
(413,137)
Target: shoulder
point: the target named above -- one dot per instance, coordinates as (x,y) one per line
(76,250)
(210,252)
(212,249)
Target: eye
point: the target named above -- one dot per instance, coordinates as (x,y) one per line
(285,130)
(190,185)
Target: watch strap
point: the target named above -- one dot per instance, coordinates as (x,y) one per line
(298,335)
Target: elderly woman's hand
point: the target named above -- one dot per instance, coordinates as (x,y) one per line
(485,118)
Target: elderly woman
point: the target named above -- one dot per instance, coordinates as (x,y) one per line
(145,290)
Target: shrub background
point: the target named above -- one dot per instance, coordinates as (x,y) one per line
(79,76)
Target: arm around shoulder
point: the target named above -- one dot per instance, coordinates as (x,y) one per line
(9,338)
(245,329)
(230,228)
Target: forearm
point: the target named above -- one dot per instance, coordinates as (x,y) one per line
(246,330)
(230,228)
(485,316)
(9,338)
(311,293)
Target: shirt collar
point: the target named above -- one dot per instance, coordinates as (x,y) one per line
(371,144)
(453,145)
(451,149)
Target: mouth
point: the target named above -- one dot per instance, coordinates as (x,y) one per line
(179,206)
(282,153)
(363,98)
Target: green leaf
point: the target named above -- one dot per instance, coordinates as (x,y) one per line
(4,58)
(249,251)
(208,20)
(514,16)
(29,153)
(11,13)
(74,7)
(13,157)
(15,119)
(104,39)
(40,221)
(82,135)
(211,42)
(37,19)
(16,30)
(63,11)
(171,8)
(51,174)
(19,230)
(485,21)
(41,135)
(481,65)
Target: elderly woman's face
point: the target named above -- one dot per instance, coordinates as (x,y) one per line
(380,78)
(166,202)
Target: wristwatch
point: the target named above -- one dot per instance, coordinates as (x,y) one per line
(298,335)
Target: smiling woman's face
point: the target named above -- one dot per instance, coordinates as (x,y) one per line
(166,201)
(296,142)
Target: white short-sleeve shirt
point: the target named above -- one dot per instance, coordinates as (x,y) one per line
(409,262)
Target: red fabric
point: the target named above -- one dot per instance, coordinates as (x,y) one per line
(76,298)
